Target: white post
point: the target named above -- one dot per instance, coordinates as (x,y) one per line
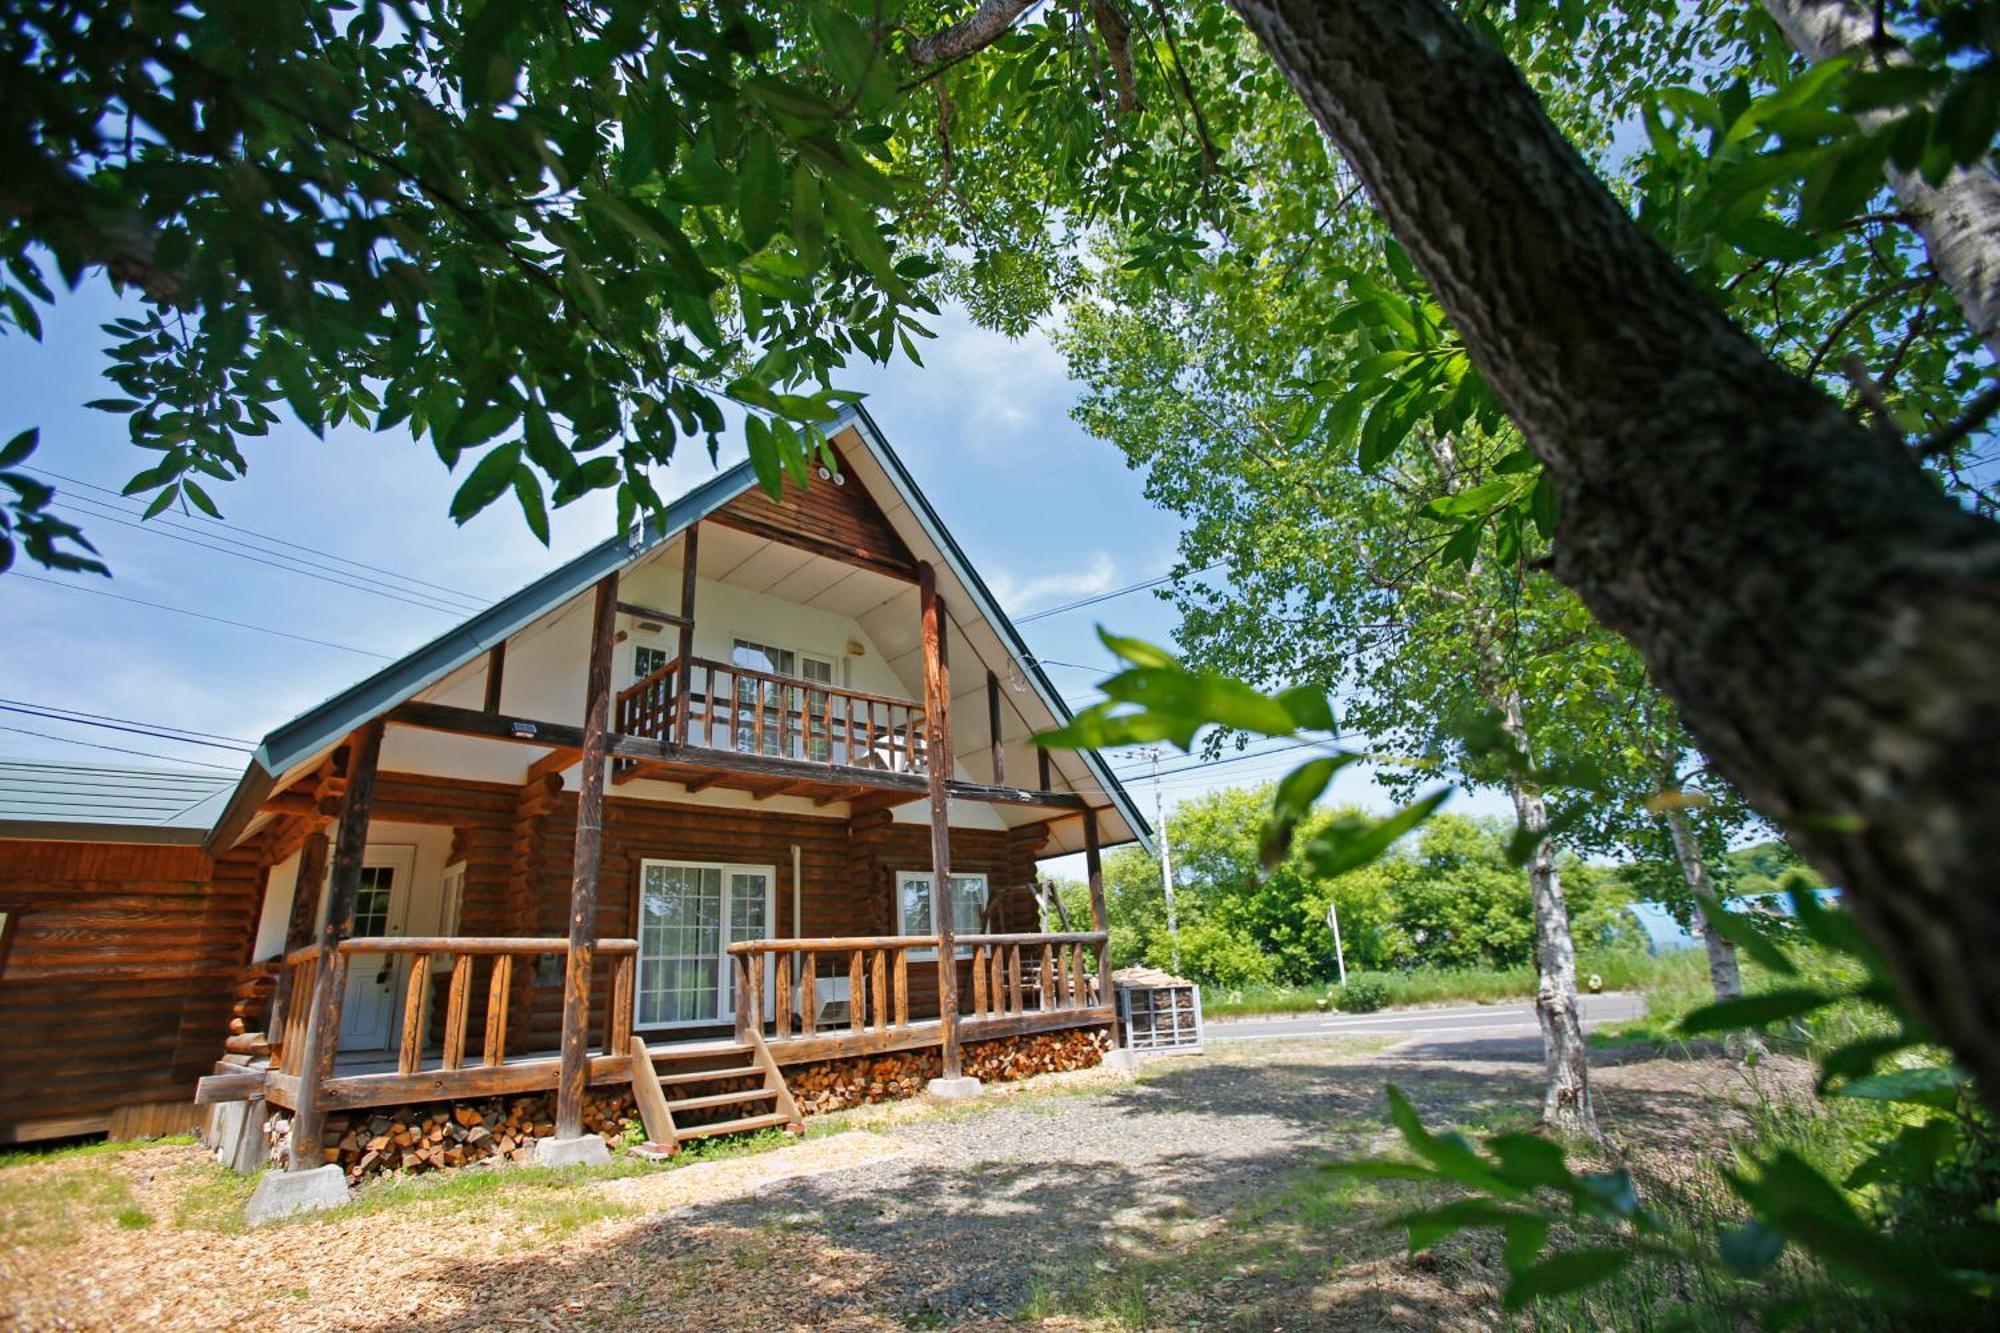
(1166,862)
(1333,924)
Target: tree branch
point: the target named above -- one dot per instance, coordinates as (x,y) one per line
(1976,415)
(981,28)
(1117,37)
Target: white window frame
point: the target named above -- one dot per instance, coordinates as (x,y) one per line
(725,973)
(904,877)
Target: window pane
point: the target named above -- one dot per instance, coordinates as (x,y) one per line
(968,903)
(916,906)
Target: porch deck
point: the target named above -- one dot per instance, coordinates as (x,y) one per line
(1020,984)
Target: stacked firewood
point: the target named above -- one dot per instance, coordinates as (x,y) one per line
(834,1085)
(441,1134)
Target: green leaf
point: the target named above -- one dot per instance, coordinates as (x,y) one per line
(17,449)
(1754,1010)
(486,483)
(1383,1168)
(764,459)
(1841,181)
(1935,1086)
(529,492)
(1571,1270)
(1751,1248)
(1428,1226)
(1741,932)
(1348,844)
(200,498)
(1136,651)
(1767,238)
(760,191)
(1531,1162)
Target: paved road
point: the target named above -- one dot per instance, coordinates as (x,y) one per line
(1463,1021)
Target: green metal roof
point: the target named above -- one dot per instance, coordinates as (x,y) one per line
(103,803)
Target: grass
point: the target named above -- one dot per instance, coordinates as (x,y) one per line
(1624,970)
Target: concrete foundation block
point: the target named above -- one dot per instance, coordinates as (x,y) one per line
(1125,1062)
(953,1089)
(235,1131)
(285,1193)
(584,1150)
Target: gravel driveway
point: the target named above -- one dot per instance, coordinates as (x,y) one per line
(1185,1198)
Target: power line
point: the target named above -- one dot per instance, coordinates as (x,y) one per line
(117,749)
(1082,602)
(200,615)
(116,516)
(157,730)
(280,541)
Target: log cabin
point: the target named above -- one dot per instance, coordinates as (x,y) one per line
(750,789)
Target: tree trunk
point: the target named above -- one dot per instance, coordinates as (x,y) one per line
(1567,1107)
(1723,972)
(1960,217)
(1823,616)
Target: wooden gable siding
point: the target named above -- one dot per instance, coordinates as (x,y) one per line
(116,986)
(842,522)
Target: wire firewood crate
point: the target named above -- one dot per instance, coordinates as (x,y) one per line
(1158,1011)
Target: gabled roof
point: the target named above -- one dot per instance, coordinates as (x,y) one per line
(314,731)
(107,803)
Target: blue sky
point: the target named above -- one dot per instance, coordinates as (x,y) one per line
(1049,515)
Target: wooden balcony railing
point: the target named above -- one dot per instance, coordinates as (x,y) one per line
(755,712)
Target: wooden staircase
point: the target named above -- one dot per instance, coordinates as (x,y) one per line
(658,1078)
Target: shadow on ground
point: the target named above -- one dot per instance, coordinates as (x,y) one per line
(1190,1198)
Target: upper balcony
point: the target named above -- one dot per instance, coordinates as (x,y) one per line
(800,727)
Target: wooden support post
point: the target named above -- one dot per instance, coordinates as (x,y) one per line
(496,675)
(937,762)
(684,676)
(298,931)
(993,729)
(1042,768)
(574,1075)
(1093,868)
(323,1023)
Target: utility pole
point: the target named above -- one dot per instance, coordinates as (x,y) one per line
(1152,752)
(1333,924)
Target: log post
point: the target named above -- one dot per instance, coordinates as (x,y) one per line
(1042,769)
(937,763)
(496,675)
(1100,920)
(298,931)
(684,676)
(574,1075)
(993,729)
(323,1022)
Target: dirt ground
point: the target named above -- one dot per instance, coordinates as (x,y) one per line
(1189,1197)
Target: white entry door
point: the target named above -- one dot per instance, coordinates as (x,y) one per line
(375,982)
(689,913)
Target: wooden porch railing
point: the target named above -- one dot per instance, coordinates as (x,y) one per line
(749,711)
(876,968)
(461,951)
(1011,975)
(1016,974)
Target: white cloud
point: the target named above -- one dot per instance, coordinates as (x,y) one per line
(1020,595)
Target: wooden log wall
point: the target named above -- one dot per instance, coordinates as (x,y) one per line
(117,984)
(843,522)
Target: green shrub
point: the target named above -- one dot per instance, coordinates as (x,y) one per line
(1361,995)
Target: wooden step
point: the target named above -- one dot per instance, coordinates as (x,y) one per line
(720,1099)
(708,1075)
(743,1126)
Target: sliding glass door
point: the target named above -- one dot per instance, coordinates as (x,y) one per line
(689,913)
